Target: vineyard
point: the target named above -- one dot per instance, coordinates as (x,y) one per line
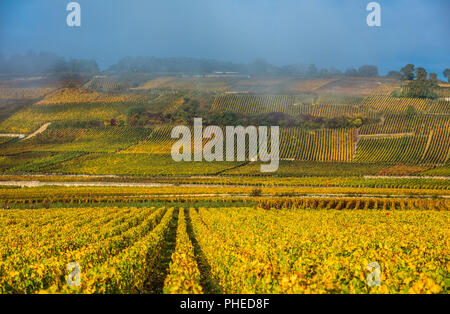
(73,95)
(23,93)
(158,142)
(427,195)
(292,105)
(222,250)
(29,119)
(185,84)
(323,145)
(104,84)
(81,140)
(401,138)
(364,128)
(362,177)
(419,138)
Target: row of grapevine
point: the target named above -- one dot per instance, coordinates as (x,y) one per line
(302,248)
(322,145)
(386,103)
(104,84)
(336,110)
(440,106)
(295,143)
(184,274)
(127,271)
(84,95)
(316,251)
(339,100)
(95,242)
(158,142)
(419,124)
(254,104)
(426,146)
(107,139)
(23,93)
(407,149)
(356,204)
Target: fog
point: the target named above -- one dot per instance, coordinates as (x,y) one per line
(322,32)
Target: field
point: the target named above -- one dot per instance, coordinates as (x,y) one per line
(225,250)
(363,177)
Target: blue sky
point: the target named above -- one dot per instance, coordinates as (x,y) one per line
(324,32)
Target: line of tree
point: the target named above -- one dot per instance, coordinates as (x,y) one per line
(257,67)
(45,63)
(409,73)
(138,116)
(418,83)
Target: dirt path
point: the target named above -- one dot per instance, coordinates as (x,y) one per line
(384,135)
(113,176)
(346,193)
(155,282)
(12,135)
(31,184)
(38,131)
(407,177)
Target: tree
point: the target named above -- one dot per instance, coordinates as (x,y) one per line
(434,79)
(408,72)
(351,72)
(357,122)
(410,111)
(335,72)
(421,73)
(419,89)
(394,75)
(2,63)
(312,70)
(261,66)
(447,74)
(368,71)
(323,73)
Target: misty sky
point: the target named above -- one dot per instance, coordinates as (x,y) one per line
(324,32)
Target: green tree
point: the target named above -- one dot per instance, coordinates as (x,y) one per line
(368,71)
(312,71)
(408,72)
(394,75)
(421,73)
(433,77)
(410,111)
(419,89)
(351,72)
(447,74)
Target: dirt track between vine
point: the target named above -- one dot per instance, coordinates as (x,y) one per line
(348,194)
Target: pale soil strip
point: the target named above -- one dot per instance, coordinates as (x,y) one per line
(125,184)
(68,184)
(69,175)
(38,131)
(12,135)
(387,135)
(190,177)
(344,196)
(428,145)
(406,177)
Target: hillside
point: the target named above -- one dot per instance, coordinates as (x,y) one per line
(106,127)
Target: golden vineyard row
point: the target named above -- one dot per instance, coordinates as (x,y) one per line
(236,250)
